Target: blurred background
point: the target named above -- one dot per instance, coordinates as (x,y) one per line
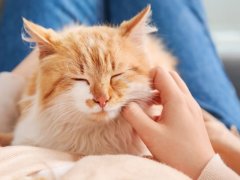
(224,23)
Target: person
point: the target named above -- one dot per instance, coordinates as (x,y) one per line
(178,137)
(181,24)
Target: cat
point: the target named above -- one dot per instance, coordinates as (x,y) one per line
(86,75)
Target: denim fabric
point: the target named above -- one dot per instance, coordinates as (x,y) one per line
(182,27)
(48,13)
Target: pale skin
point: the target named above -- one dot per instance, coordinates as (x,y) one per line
(224,142)
(27,66)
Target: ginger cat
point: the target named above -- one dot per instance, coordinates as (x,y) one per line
(85,76)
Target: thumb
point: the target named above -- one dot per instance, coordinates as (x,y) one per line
(141,122)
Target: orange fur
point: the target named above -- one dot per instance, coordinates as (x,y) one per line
(73,48)
(112,62)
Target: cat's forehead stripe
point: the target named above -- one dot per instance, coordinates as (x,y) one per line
(81,68)
(113,64)
(94,52)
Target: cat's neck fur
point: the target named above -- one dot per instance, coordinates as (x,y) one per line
(113,137)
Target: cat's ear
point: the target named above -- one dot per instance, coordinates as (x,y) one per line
(46,39)
(137,27)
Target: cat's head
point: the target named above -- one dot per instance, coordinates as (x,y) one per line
(93,71)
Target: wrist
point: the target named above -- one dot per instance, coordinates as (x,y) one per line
(197,162)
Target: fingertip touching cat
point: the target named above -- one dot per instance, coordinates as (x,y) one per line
(86,75)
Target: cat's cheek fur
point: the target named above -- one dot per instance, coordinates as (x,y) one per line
(138,90)
(80,93)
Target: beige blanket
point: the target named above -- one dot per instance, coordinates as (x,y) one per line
(23,162)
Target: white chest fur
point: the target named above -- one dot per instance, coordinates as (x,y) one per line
(112,137)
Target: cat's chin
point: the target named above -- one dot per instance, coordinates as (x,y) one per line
(105,116)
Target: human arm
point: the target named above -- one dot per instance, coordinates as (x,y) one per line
(27,66)
(224,142)
(11,87)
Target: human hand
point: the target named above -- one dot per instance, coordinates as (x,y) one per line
(178,137)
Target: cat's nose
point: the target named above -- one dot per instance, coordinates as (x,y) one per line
(102,101)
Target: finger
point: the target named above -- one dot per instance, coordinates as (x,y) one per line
(140,121)
(181,84)
(152,75)
(166,85)
(155,98)
(151,100)
(146,107)
(157,118)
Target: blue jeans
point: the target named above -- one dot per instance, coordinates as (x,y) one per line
(181,24)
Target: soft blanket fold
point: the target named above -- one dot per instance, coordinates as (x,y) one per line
(25,162)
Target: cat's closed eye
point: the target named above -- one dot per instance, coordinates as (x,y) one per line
(117,75)
(81,79)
